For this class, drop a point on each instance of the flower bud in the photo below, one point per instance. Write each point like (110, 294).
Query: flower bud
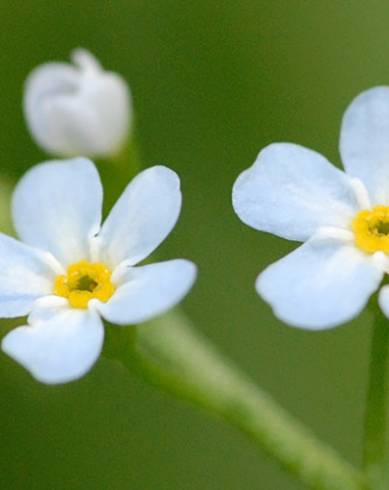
(78, 109)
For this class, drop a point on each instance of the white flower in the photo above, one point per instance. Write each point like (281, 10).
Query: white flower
(77, 110)
(343, 218)
(69, 271)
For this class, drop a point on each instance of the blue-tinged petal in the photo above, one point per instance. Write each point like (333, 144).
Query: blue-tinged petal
(324, 283)
(57, 207)
(364, 142)
(26, 274)
(291, 191)
(142, 218)
(148, 291)
(60, 345)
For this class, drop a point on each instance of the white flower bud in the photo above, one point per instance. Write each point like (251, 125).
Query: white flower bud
(78, 110)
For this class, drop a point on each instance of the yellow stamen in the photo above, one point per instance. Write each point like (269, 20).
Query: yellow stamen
(85, 281)
(371, 229)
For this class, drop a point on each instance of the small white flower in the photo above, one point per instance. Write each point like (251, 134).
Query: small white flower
(70, 270)
(77, 109)
(343, 218)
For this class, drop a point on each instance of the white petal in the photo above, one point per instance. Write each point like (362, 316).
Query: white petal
(320, 285)
(77, 110)
(142, 218)
(290, 191)
(57, 207)
(148, 291)
(364, 142)
(25, 275)
(61, 347)
(383, 300)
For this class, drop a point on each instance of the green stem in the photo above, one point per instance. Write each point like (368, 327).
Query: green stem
(171, 356)
(117, 171)
(128, 160)
(375, 417)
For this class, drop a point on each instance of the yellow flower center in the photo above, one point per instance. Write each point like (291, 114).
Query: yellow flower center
(85, 281)
(371, 229)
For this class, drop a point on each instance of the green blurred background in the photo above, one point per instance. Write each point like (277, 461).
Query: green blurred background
(213, 82)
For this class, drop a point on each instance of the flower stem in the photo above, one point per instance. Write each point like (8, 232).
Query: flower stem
(375, 416)
(173, 357)
(117, 171)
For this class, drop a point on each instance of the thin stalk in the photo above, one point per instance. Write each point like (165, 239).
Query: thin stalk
(117, 171)
(374, 449)
(174, 358)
